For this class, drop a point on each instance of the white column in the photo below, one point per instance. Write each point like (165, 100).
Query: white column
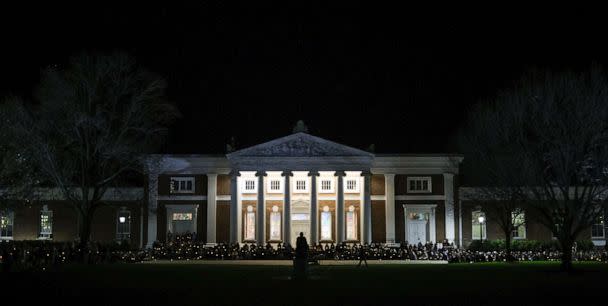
(314, 216)
(234, 207)
(448, 191)
(152, 208)
(460, 224)
(433, 226)
(287, 208)
(389, 191)
(261, 210)
(367, 207)
(340, 206)
(211, 207)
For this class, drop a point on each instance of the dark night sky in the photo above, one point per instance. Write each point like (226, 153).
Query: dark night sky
(391, 77)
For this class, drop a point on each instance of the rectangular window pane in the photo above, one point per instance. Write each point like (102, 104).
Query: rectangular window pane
(597, 229)
(6, 225)
(476, 229)
(518, 218)
(326, 225)
(250, 226)
(46, 223)
(275, 225)
(123, 228)
(351, 226)
(300, 185)
(182, 216)
(182, 184)
(300, 217)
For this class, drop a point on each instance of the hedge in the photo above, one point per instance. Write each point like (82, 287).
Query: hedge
(526, 245)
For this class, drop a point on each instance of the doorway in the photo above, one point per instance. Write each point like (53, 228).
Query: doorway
(300, 221)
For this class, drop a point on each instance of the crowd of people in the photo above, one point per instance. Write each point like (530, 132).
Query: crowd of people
(49, 255)
(186, 248)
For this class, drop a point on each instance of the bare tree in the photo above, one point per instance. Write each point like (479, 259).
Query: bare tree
(489, 166)
(17, 176)
(552, 131)
(89, 126)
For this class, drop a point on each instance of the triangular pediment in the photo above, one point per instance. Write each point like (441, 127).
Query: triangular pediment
(299, 145)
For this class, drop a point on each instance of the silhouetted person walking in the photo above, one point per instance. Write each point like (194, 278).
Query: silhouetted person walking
(301, 257)
(362, 255)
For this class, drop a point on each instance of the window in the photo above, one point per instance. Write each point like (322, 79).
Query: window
(300, 217)
(597, 229)
(419, 184)
(352, 185)
(301, 185)
(182, 216)
(123, 225)
(46, 224)
(326, 224)
(275, 186)
(351, 224)
(275, 224)
(249, 224)
(519, 222)
(478, 229)
(326, 186)
(249, 185)
(6, 225)
(182, 185)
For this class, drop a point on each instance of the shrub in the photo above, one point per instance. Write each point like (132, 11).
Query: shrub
(516, 245)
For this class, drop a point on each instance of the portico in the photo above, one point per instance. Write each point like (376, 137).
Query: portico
(301, 183)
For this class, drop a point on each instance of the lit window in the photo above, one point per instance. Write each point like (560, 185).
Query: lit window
(46, 224)
(275, 186)
(477, 227)
(326, 186)
(182, 185)
(182, 216)
(352, 185)
(123, 225)
(518, 218)
(326, 224)
(597, 229)
(419, 184)
(249, 224)
(301, 185)
(249, 186)
(300, 217)
(6, 225)
(351, 224)
(275, 224)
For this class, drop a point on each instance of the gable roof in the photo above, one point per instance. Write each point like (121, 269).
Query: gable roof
(299, 145)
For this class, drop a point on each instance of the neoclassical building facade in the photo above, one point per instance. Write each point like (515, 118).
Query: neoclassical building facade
(271, 192)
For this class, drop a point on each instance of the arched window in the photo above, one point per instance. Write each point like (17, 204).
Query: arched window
(275, 224)
(250, 224)
(351, 223)
(326, 224)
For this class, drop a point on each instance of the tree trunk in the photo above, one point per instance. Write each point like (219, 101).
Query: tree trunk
(566, 265)
(606, 228)
(508, 246)
(84, 234)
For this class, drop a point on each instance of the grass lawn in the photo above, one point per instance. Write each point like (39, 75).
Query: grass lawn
(179, 284)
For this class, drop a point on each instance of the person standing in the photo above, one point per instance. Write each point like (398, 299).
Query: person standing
(301, 257)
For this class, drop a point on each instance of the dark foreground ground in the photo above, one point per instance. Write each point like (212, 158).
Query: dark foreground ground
(185, 284)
